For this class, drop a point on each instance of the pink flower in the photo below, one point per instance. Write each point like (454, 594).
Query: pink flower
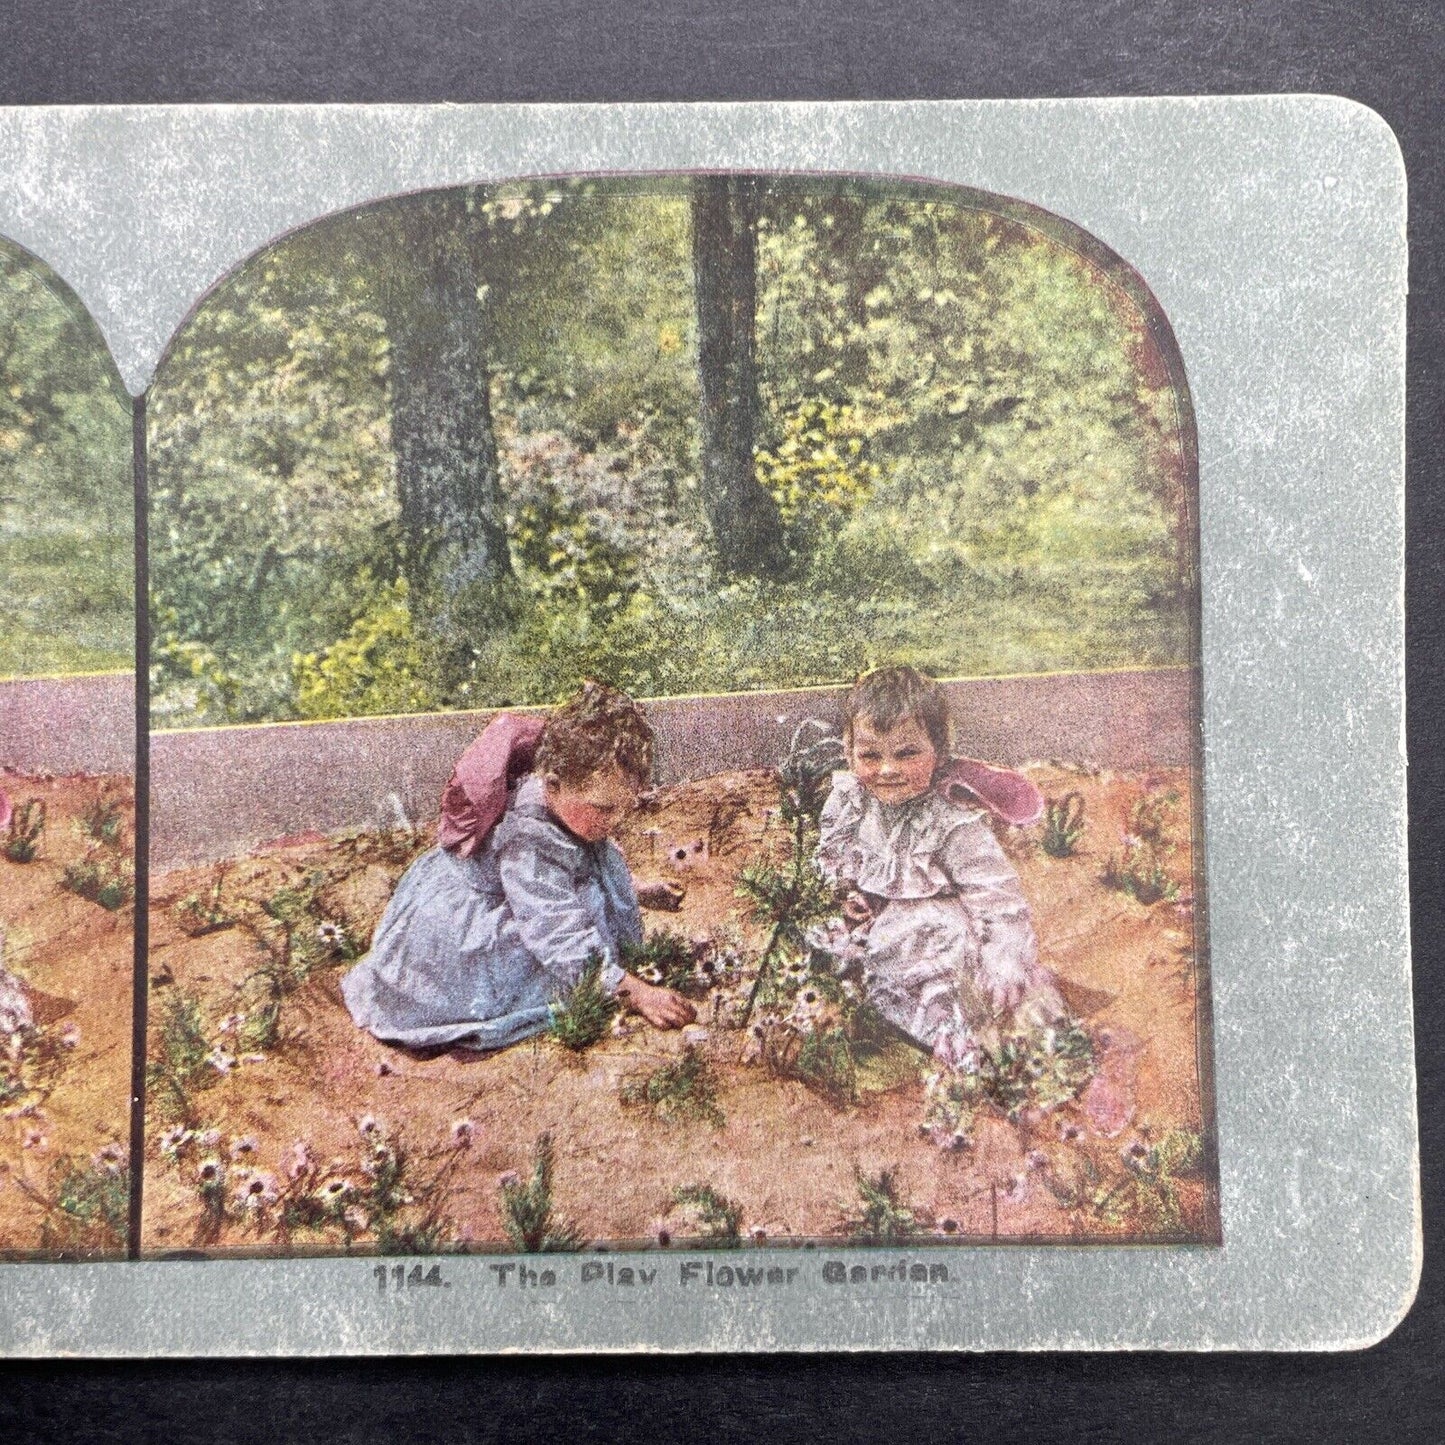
(298, 1161)
(510, 1179)
(257, 1190)
(69, 1036)
(34, 1139)
(244, 1145)
(462, 1130)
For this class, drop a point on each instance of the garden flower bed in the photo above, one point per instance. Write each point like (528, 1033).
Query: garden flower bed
(275, 1124)
(66, 916)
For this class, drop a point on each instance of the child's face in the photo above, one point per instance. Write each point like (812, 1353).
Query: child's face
(593, 807)
(895, 765)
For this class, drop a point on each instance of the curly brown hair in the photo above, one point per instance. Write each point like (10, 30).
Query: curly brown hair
(598, 727)
(888, 696)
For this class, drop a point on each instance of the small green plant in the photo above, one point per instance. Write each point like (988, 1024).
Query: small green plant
(1140, 871)
(883, 1218)
(683, 1090)
(22, 836)
(584, 1014)
(1063, 825)
(795, 896)
(103, 820)
(88, 1210)
(669, 960)
(1038, 1070)
(527, 1214)
(106, 880)
(199, 915)
(826, 1063)
(1148, 1191)
(181, 1061)
(719, 1218)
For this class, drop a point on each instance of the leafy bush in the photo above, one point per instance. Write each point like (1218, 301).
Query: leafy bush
(180, 1060)
(527, 1212)
(682, 1090)
(22, 835)
(88, 1211)
(1041, 1070)
(1063, 825)
(584, 1014)
(718, 1217)
(1140, 870)
(1148, 1191)
(102, 878)
(883, 1218)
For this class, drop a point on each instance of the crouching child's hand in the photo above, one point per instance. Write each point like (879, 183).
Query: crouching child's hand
(661, 1007)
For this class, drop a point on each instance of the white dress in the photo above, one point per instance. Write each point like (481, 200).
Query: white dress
(950, 928)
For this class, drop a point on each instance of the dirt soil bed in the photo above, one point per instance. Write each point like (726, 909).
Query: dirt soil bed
(300, 1114)
(65, 1078)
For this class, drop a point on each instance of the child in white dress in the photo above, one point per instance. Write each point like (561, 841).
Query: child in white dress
(949, 951)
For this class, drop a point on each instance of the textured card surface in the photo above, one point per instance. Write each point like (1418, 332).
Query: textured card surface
(759, 727)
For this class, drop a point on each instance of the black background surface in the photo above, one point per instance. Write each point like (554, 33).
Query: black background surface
(1390, 56)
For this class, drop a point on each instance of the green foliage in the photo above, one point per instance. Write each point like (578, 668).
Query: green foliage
(818, 471)
(584, 1014)
(527, 1213)
(826, 1063)
(1140, 870)
(199, 916)
(103, 820)
(22, 835)
(102, 877)
(667, 959)
(683, 1090)
(718, 1217)
(180, 1058)
(966, 423)
(377, 667)
(1039, 1070)
(883, 1218)
(66, 501)
(1063, 825)
(89, 1211)
(1148, 1192)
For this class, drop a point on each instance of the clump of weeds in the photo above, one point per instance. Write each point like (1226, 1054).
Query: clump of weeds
(1033, 1072)
(883, 1217)
(583, 1015)
(528, 1215)
(682, 1090)
(200, 914)
(101, 877)
(87, 1208)
(103, 820)
(294, 939)
(182, 1059)
(385, 1194)
(22, 833)
(1139, 871)
(719, 1219)
(33, 1059)
(1147, 1192)
(1063, 825)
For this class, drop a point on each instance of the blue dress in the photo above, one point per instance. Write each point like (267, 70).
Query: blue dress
(473, 950)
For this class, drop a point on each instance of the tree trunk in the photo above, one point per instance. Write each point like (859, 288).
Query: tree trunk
(453, 534)
(747, 530)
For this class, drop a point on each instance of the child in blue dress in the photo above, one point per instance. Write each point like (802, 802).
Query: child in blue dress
(488, 929)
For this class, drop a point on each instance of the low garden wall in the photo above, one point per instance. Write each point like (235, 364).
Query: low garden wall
(83, 724)
(220, 792)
